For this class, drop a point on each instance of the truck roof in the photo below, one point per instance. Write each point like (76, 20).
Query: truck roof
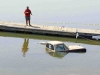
(55, 42)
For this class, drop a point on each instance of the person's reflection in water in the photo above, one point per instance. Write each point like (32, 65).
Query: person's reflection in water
(25, 46)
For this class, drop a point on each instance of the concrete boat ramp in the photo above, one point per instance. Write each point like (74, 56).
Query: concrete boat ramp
(47, 30)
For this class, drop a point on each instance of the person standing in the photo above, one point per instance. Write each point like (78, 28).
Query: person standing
(27, 13)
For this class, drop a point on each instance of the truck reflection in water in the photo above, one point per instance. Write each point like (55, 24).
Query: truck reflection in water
(56, 54)
(25, 46)
(59, 54)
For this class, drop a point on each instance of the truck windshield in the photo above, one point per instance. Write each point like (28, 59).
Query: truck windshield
(61, 47)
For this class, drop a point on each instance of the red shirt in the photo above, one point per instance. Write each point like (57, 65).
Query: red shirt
(27, 12)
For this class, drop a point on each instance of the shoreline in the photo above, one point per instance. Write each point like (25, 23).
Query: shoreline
(48, 30)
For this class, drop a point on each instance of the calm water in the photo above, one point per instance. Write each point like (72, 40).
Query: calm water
(53, 11)
(25, 56)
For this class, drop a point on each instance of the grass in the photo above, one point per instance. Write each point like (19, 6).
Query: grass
(44, 37)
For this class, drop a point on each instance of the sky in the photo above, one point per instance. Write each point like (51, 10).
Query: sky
(70, 11)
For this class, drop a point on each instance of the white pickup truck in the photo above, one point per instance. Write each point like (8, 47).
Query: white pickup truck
(58, 46)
